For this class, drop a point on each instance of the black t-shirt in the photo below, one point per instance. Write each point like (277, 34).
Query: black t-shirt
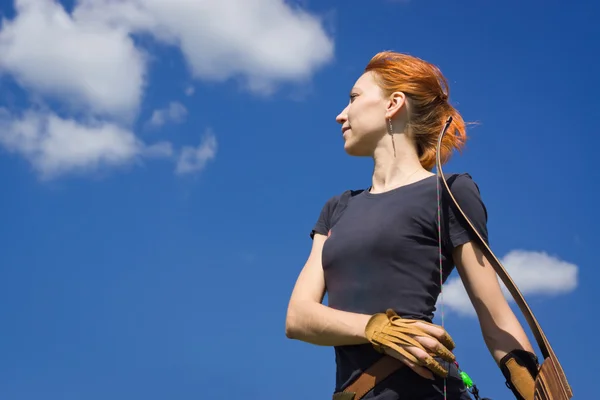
(383, 251)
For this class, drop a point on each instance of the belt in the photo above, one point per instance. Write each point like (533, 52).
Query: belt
(366, 381)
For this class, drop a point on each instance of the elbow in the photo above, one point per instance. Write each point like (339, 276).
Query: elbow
(292, 329)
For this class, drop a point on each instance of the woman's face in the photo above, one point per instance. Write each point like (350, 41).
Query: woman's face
(364, 119)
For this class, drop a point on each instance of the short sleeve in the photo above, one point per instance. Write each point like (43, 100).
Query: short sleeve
(323, 223)
(467, 194)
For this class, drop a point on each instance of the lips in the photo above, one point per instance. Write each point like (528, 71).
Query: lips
(345, 129)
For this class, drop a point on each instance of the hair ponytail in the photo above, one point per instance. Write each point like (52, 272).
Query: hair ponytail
(454, 139)
(427, 93)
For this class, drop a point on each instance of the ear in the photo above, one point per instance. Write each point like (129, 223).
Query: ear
(395, 103)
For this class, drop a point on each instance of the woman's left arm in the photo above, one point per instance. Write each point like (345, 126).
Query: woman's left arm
(501, 330)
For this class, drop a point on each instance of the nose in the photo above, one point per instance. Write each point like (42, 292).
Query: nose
(342, 117)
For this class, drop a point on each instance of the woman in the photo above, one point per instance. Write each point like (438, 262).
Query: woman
(384, 251)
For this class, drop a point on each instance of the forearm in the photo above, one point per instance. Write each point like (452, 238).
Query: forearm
(501, 329)
(503, 333)
(318, 324)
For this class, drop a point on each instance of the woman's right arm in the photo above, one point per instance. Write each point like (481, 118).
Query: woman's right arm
(311, 321)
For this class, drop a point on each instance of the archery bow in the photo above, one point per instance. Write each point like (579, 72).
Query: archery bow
(551, 381)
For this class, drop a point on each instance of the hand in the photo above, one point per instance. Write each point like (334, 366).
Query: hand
(420, 360)
(413, 342)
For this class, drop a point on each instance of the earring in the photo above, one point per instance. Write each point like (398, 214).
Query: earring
(391, 133)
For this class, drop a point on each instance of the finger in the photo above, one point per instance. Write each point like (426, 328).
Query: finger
(430, 347)
(437, 332)
(436, 367)
(436, 347)
(425, 360)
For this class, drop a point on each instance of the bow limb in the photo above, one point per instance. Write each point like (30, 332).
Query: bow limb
(535, 327)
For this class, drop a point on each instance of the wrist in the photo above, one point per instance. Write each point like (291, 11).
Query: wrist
(520, 368)
(361, 325)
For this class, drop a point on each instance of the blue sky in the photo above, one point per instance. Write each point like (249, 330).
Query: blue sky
(161, 174)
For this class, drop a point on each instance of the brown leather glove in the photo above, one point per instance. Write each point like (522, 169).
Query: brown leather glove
(392, 331)
(520, 368)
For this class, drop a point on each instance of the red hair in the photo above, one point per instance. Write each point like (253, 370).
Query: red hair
(428, 109)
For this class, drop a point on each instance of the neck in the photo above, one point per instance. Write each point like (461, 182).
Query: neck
(394, 170)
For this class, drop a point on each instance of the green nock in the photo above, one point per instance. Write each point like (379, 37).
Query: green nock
(466, 379)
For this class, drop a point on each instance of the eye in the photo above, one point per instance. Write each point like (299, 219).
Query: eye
(353, 96)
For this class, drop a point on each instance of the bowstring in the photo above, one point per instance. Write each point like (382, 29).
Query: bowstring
(472, 388)
(439, 218)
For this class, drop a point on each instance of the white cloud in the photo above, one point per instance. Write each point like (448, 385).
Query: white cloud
(55, 146)
(535, 273)
(194, 159)
(87, 66)
(455, 298)
(159, 150)
(263, 42)
(175, 112)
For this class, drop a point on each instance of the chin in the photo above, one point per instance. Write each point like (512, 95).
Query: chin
(360, 145)
(356, 150)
